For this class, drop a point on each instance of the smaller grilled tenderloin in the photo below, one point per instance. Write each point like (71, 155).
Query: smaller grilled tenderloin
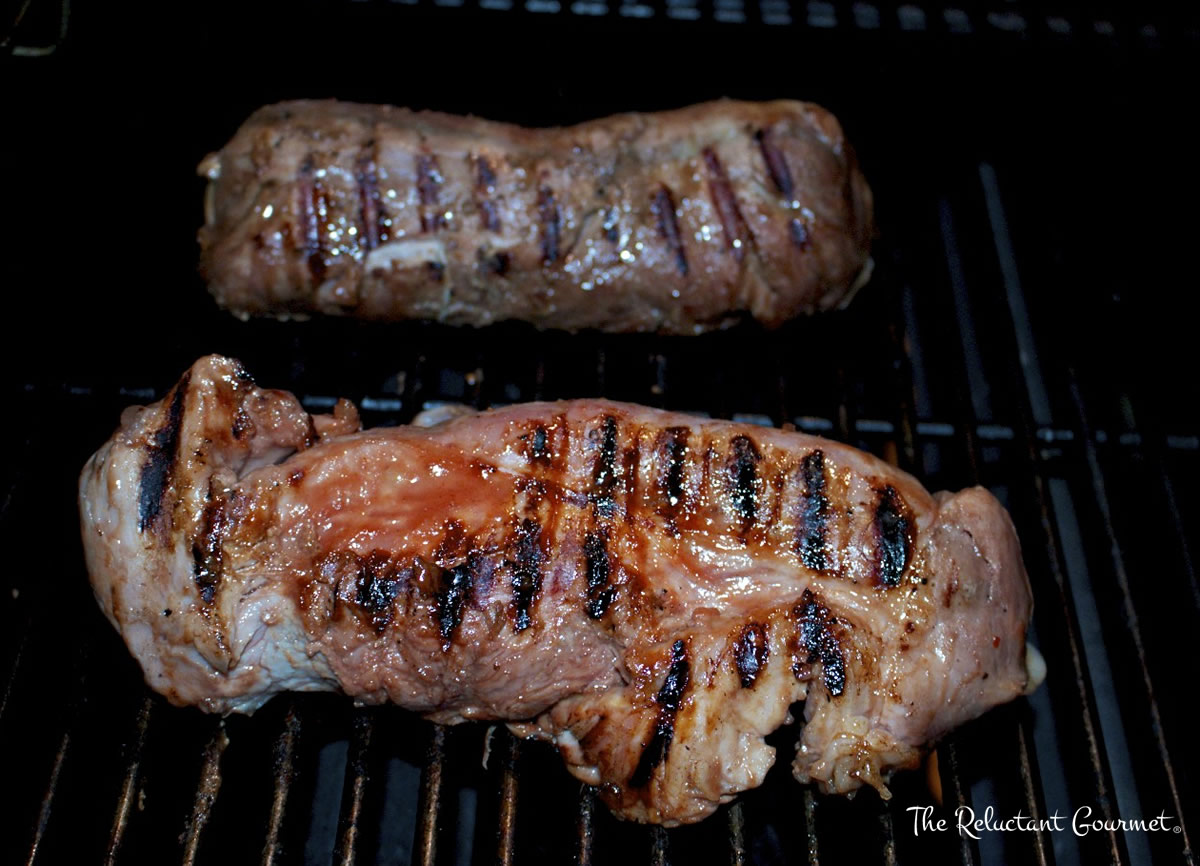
(650, 591)
(677, 222)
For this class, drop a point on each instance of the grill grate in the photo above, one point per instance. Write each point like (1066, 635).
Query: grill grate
(997, 345)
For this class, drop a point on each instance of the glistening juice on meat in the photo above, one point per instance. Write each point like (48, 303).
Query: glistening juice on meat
(647, 590)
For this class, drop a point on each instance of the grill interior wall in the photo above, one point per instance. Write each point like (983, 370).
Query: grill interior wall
(1010, 337)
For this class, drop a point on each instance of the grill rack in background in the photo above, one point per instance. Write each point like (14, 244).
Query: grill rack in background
(963, 363)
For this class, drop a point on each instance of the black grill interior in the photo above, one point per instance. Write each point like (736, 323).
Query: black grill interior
(1026, 329)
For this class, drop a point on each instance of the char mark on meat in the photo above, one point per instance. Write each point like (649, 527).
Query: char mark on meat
(538, 445)
(312, 211)
(551, 222)
(669, 697)
(208, 551)
(673, 449)
(429, 184)
(599, 590)
(485, 185)
(368, 196)
(815, 514)
(750, 653)
(819, 641)
(612, 229)
(893, 526)
(798, 230)
(743, 470)
(376, 586)
(454, 595)
(732, 222)
(668, 227)
(604, 473)
(162, 453)
(526, 572)
(776, 162)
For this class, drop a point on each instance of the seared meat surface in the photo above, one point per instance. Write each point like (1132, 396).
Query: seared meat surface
(649, 590)
(677, 222)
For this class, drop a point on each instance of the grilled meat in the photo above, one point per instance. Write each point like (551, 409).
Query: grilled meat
(649, 590)
(677, 222)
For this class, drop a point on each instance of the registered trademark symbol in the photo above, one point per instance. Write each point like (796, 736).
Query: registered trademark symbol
(1176, 829)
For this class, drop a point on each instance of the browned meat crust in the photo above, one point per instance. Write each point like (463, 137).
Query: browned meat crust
(648, 590)
(677, 222)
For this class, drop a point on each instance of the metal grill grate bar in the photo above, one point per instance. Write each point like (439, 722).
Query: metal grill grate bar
(354, 792)
(425, 849)
(285, 773)
(206, 793)
(506, 820)
(129, 785)
(585, 825)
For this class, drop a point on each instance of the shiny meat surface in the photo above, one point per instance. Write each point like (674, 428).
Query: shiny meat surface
(650, 591)
(677, 222)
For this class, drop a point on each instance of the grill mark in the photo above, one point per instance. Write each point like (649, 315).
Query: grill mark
(672, 448)
(725, 201)
(496, 263)
(599, 574)
(818, 639)
(429, 184)
(551, 225)
(604, 472)
(312, 203)
(811, 541)
(893, 526)
(368, 196)
(743, 469)
(612, 230)
(456, 587)
(776, 162)
(526, 572)
(208, 549)
(798, 230)
(669, 697)
(538, 445)
(376, 586)
(161, 456)
(485, 185)
(750, 653)
(663, 207)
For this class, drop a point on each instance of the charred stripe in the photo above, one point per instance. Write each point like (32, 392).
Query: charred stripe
(801, 237)
(551, 222)
(663, 207)
(816, 627)
(429, 184)
(208, 549)
(750, 653)
(743, 470)
(893, 533)
(776, 162)
(815, 517)
(669, 697)
(485, 185)
(676, 448)
(725, 201)
(604, 472)
(312, 210)
(526, 572)
(368, 196)
(377, 584)
(161, 455)
(454, 594)
(599, 572)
